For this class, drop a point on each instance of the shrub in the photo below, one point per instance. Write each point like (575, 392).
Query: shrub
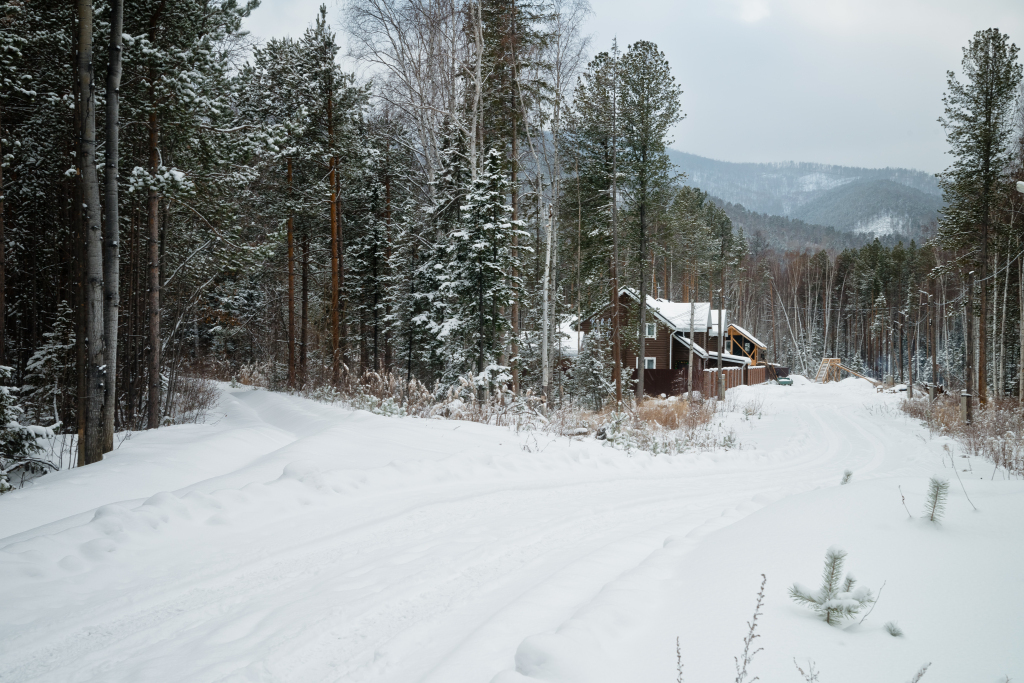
(836, 599)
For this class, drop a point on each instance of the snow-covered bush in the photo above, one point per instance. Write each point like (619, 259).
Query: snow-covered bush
(19, 445)
(50, 371)
(847, 476)
(837, 599)
(588, 381)
(996, 431)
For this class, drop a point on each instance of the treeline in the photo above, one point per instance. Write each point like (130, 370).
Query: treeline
(181, 202)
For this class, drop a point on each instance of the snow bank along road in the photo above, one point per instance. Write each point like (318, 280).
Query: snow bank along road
(293, 541)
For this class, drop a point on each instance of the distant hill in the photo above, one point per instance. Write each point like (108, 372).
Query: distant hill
(882, 207)
(764, 231)
(863, 200)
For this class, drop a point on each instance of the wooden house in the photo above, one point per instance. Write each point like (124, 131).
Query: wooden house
(671, 329)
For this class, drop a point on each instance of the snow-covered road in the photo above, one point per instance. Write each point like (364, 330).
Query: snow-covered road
(389, 549)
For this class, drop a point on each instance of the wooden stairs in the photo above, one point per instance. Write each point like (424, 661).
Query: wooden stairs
(830, 368)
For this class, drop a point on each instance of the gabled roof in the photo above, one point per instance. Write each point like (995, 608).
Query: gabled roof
(675, 315)
(743, 332)
(685, 341)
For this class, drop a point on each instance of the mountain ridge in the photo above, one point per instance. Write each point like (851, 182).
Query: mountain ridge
(886, 201)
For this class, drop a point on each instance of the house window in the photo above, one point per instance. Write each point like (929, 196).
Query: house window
(650, 363)
(651, 330)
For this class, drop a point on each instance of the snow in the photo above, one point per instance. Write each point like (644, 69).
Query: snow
(293, 541)
(728, 357)
(748, 335)
(685, 341)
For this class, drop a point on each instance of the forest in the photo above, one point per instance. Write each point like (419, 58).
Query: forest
(181, 203)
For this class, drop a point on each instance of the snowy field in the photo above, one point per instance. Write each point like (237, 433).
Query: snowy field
(293, 541)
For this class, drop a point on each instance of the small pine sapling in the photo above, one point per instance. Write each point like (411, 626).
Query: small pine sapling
(935, 505)
(837, 599)
(893, 629)
(847, 475)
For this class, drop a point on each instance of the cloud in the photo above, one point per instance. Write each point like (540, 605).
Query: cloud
(751, 11)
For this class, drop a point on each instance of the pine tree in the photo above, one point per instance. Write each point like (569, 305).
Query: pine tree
(935, 504)
(17, 442)
(838, 598)
(979, 129)
(589, 381)
(650, 106)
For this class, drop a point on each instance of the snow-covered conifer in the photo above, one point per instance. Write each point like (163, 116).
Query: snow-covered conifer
(838, 598)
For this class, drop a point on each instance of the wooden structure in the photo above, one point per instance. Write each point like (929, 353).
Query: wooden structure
(739, 342)
(830, 368)
(673, 329)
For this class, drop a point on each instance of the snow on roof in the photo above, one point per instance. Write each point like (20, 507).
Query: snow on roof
(749, 336)
(679, 313)
(713, 325)
(730, 358)
(685, 341)
(676, 314)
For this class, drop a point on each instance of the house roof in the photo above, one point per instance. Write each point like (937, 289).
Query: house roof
(674, 314)
(685, 341)
(760, 344)
(713, 324)
(730, 358)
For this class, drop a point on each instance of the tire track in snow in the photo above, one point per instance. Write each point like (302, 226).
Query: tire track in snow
(435, 583)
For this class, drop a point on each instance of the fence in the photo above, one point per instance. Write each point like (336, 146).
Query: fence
(668, 382)
(757, 375)
(674, 382)
(733, 378)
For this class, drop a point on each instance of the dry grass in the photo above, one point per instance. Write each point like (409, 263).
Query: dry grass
(997, 432)
(677, 414)
(658, 426)
(192, 398)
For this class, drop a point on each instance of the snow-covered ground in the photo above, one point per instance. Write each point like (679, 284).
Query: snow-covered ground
(293, 541)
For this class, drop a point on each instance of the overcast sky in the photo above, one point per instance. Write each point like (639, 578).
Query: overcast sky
(851, 82)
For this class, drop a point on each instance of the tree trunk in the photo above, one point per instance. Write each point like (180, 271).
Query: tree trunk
(721, 337)
(291, 286)
(545, 289)
(111, 226)
(642, 260)
(983, 315)
(153, 277)
(304, 319)
(514, 361)
(94, 241)
(335, 332)
(3, 250)
(78, 269)
(969, 339)
(1001, 380)
(689, 366)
